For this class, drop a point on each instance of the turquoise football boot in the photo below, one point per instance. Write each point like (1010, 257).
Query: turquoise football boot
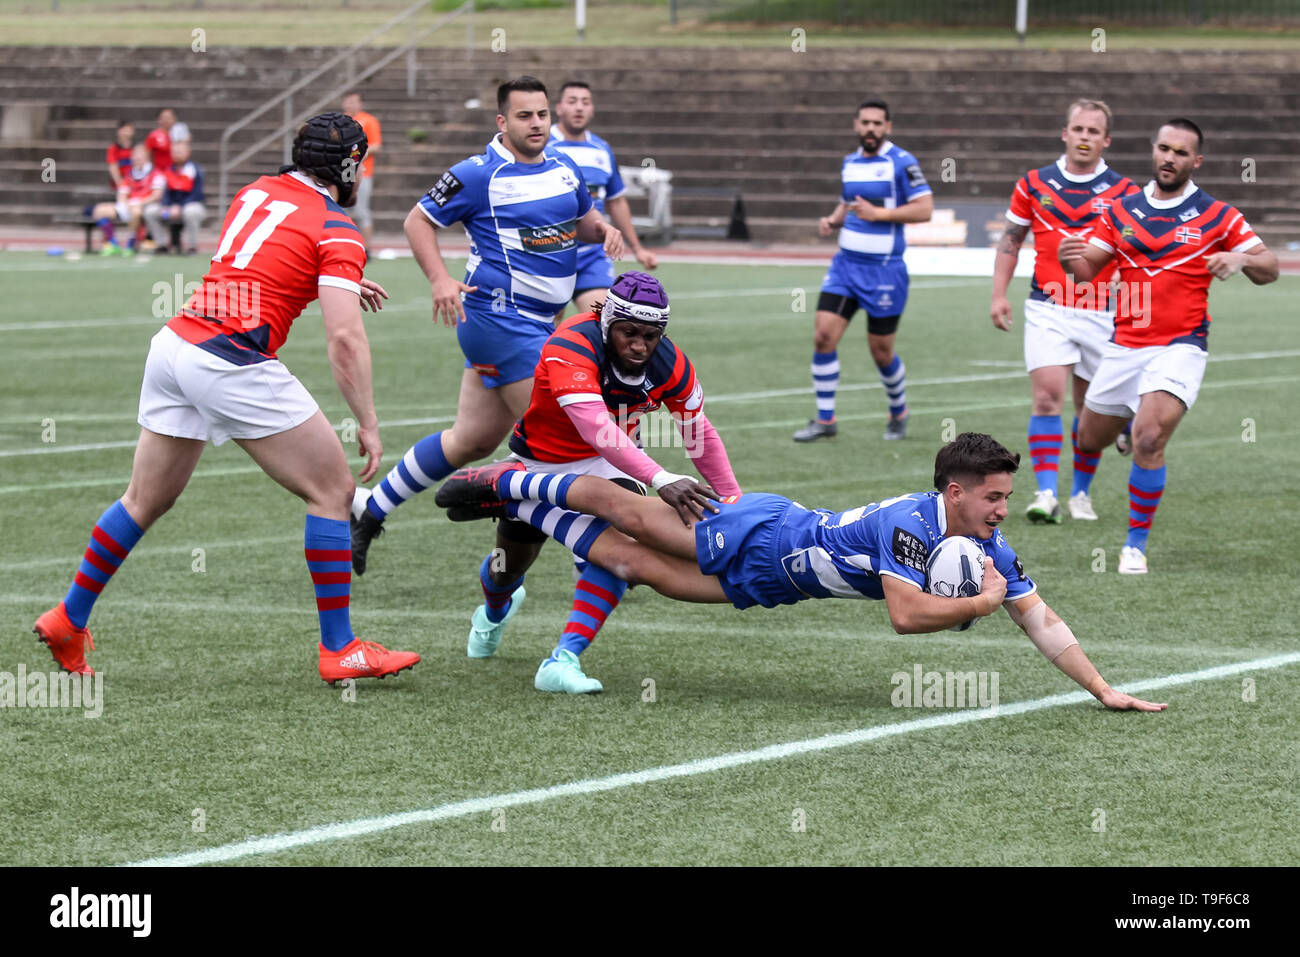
(562, 673)
(485, 635)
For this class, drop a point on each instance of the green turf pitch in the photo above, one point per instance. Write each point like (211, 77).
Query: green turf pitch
(213, 713)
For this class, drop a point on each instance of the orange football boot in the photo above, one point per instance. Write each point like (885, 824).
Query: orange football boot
(66, 641)
(363, 659)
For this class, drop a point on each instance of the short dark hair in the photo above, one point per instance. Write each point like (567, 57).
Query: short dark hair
(874, 105)
(523, 84)
(1182, 123)
(122, 123)
(972, 455)
(582, 84)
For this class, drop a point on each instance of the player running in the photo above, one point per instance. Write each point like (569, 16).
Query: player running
(572, 136)
(1067, 323)
(598, 377)
(767, 550)
(212, 374)
(525, 208)
(882, 188)
(1168, 240)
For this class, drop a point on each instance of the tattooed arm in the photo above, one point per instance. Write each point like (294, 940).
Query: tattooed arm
(1004, 265)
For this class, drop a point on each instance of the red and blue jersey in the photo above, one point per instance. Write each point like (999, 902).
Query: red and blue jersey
(119, 156)
(1056, 203)
(1160, 247)
(282, 239)
(574, 367)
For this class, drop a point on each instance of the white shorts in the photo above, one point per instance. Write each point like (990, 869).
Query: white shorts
(1063, 336)
(1126, 374)
(360, 211)
(192, 394)
(595, 466)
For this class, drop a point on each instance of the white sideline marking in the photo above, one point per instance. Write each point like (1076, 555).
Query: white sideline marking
(348, 829)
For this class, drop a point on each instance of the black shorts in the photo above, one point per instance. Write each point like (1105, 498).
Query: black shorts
(846, 307)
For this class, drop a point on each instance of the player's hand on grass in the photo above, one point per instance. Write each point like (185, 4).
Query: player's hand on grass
(372, 296)
(993, 589)
(446, 300)
(1118, 701)
(1225, 265)
(690, 498)
(368, 444)
(1001, 313)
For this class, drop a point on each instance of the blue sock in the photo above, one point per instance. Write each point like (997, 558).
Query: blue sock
(1145, 486)
(826, 379)
(894, 378)
(496, 598)
(114, 535)
(573, 530)
(421, 466)
(328, 547)
(596, 594)
(523, 486)
(1045, 449)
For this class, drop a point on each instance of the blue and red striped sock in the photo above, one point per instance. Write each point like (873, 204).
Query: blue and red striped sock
(522, 486)
(1085, 465)
(597, 593)
(1045, 449)
(106, 225)
(328, 546)
(421, 466)
(113, 537)
(496, 598)
(1145, 486)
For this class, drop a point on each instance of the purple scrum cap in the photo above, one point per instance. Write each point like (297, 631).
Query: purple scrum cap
(634, 297)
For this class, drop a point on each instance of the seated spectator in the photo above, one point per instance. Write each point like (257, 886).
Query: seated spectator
(118, 155)
(182, 209)
(142, 187)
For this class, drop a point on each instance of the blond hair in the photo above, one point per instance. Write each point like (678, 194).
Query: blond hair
(1089, 105)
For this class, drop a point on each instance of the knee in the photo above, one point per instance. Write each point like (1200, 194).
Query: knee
(1148, 442)
(823, 341)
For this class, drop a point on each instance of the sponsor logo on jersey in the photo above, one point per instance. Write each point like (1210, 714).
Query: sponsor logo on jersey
(549, 239)
(915, 177)
(446, 187)
(1188, 214)
(909, 550)
(719, 540)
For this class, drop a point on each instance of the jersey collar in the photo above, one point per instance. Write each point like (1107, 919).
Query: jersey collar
(496, 146)
(885, 147)
(307, 181)
(1080, 177)
(1150, 189)
(558, 134)
(941, 513)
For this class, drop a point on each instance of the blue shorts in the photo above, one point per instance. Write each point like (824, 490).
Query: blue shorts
(595, 269)
(502, 347)
(879, 287)
(740, 546)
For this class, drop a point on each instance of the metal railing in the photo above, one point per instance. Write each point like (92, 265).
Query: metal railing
(292, 117)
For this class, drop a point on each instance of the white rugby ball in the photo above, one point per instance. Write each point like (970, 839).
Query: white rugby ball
(955, 569)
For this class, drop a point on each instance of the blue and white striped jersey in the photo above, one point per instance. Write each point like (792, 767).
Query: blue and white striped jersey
(596, 160)
(522, 223)
(889, 179)
(844, 554)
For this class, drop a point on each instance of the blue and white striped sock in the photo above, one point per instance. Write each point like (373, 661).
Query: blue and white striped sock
(520, 486)
(573, 530)
(421, 466)
(894, 378)
(826, 379)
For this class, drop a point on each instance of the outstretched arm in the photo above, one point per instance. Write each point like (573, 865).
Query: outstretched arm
(1053, 638)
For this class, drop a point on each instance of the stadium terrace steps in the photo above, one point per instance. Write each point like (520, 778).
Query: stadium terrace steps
(995, 113)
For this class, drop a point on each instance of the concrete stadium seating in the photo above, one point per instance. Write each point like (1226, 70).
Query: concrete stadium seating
(772, 123)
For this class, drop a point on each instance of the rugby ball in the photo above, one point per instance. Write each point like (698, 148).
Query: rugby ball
(955, 569)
